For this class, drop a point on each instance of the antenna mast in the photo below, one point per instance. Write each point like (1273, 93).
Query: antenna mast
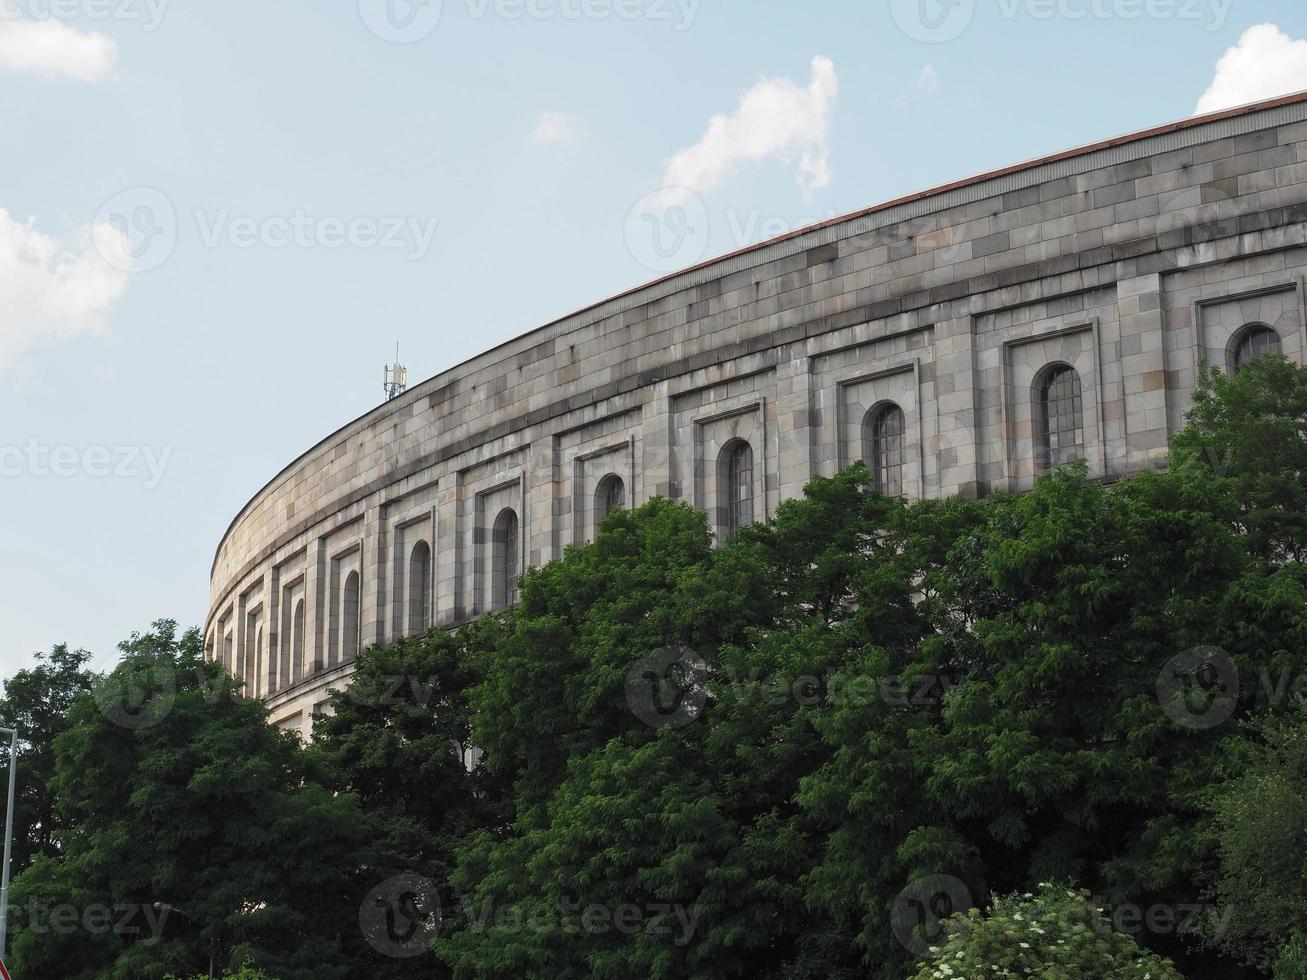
(395, 377)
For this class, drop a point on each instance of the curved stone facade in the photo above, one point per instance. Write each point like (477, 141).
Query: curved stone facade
(961, 339)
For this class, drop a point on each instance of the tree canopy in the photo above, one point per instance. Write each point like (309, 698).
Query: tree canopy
(794, 754)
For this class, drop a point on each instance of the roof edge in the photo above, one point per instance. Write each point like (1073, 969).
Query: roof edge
(980, 178)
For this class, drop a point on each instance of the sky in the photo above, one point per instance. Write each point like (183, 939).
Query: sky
(217, 219)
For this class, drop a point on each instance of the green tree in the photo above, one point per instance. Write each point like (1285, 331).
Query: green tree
(1262, 831)
(890, 691)
(1250, 431)
(190, 831)
(678, 814)
(1051, 756)
(36, 702)
(398, 740)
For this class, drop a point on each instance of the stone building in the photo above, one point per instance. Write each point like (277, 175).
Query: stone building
(960, 340)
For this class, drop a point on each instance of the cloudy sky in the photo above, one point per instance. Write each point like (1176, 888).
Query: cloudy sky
(217, 219)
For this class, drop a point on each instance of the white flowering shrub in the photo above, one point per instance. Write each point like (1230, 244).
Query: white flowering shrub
(1292, 962)
(1057, 934)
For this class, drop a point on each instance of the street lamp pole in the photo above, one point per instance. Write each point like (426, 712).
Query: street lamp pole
(9, 839)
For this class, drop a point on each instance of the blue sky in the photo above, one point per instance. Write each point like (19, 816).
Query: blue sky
(218, 218)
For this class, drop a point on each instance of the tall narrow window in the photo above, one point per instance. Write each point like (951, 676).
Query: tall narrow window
(419, 589)
(349, 619)
(1252, 342)
(250, 653)
(1059, 417)
(736, 476)
(297, 642)
(505, 560)
(281, 666)
(610, 496)
(255, 686)
(883, 437)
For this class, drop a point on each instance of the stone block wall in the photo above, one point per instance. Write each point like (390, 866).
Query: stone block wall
(1131, 262)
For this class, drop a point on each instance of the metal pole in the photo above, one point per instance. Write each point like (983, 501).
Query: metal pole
(9, 839)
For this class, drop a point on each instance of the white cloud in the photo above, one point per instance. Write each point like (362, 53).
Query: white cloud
(558, 127)
(52, 290)
(775, 119)
(926, 83)
(52, 49)
(1265, 63)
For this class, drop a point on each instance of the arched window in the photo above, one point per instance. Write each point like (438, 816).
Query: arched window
(419, 589)
(297, 642)
(349, 619)
(884, 433)
(1059, 425)
(610, 496)
(505, 560)
(1254, 341)
(735, 473)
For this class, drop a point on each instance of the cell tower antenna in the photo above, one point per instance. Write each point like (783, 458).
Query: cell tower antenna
(395, 377)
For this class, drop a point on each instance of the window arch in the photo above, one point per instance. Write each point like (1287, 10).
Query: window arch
(1253, 341)
(735, 473)
(419, 588)
(504, 566)
(884, 436)
(610, 496)
(1059, 417)
(349, 639)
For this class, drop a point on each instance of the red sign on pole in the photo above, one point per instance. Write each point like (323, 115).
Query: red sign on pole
(4, 973)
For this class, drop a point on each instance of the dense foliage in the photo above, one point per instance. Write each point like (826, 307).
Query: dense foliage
(1262, 836)
(787, 756)
(36, 703)
(191, 831)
